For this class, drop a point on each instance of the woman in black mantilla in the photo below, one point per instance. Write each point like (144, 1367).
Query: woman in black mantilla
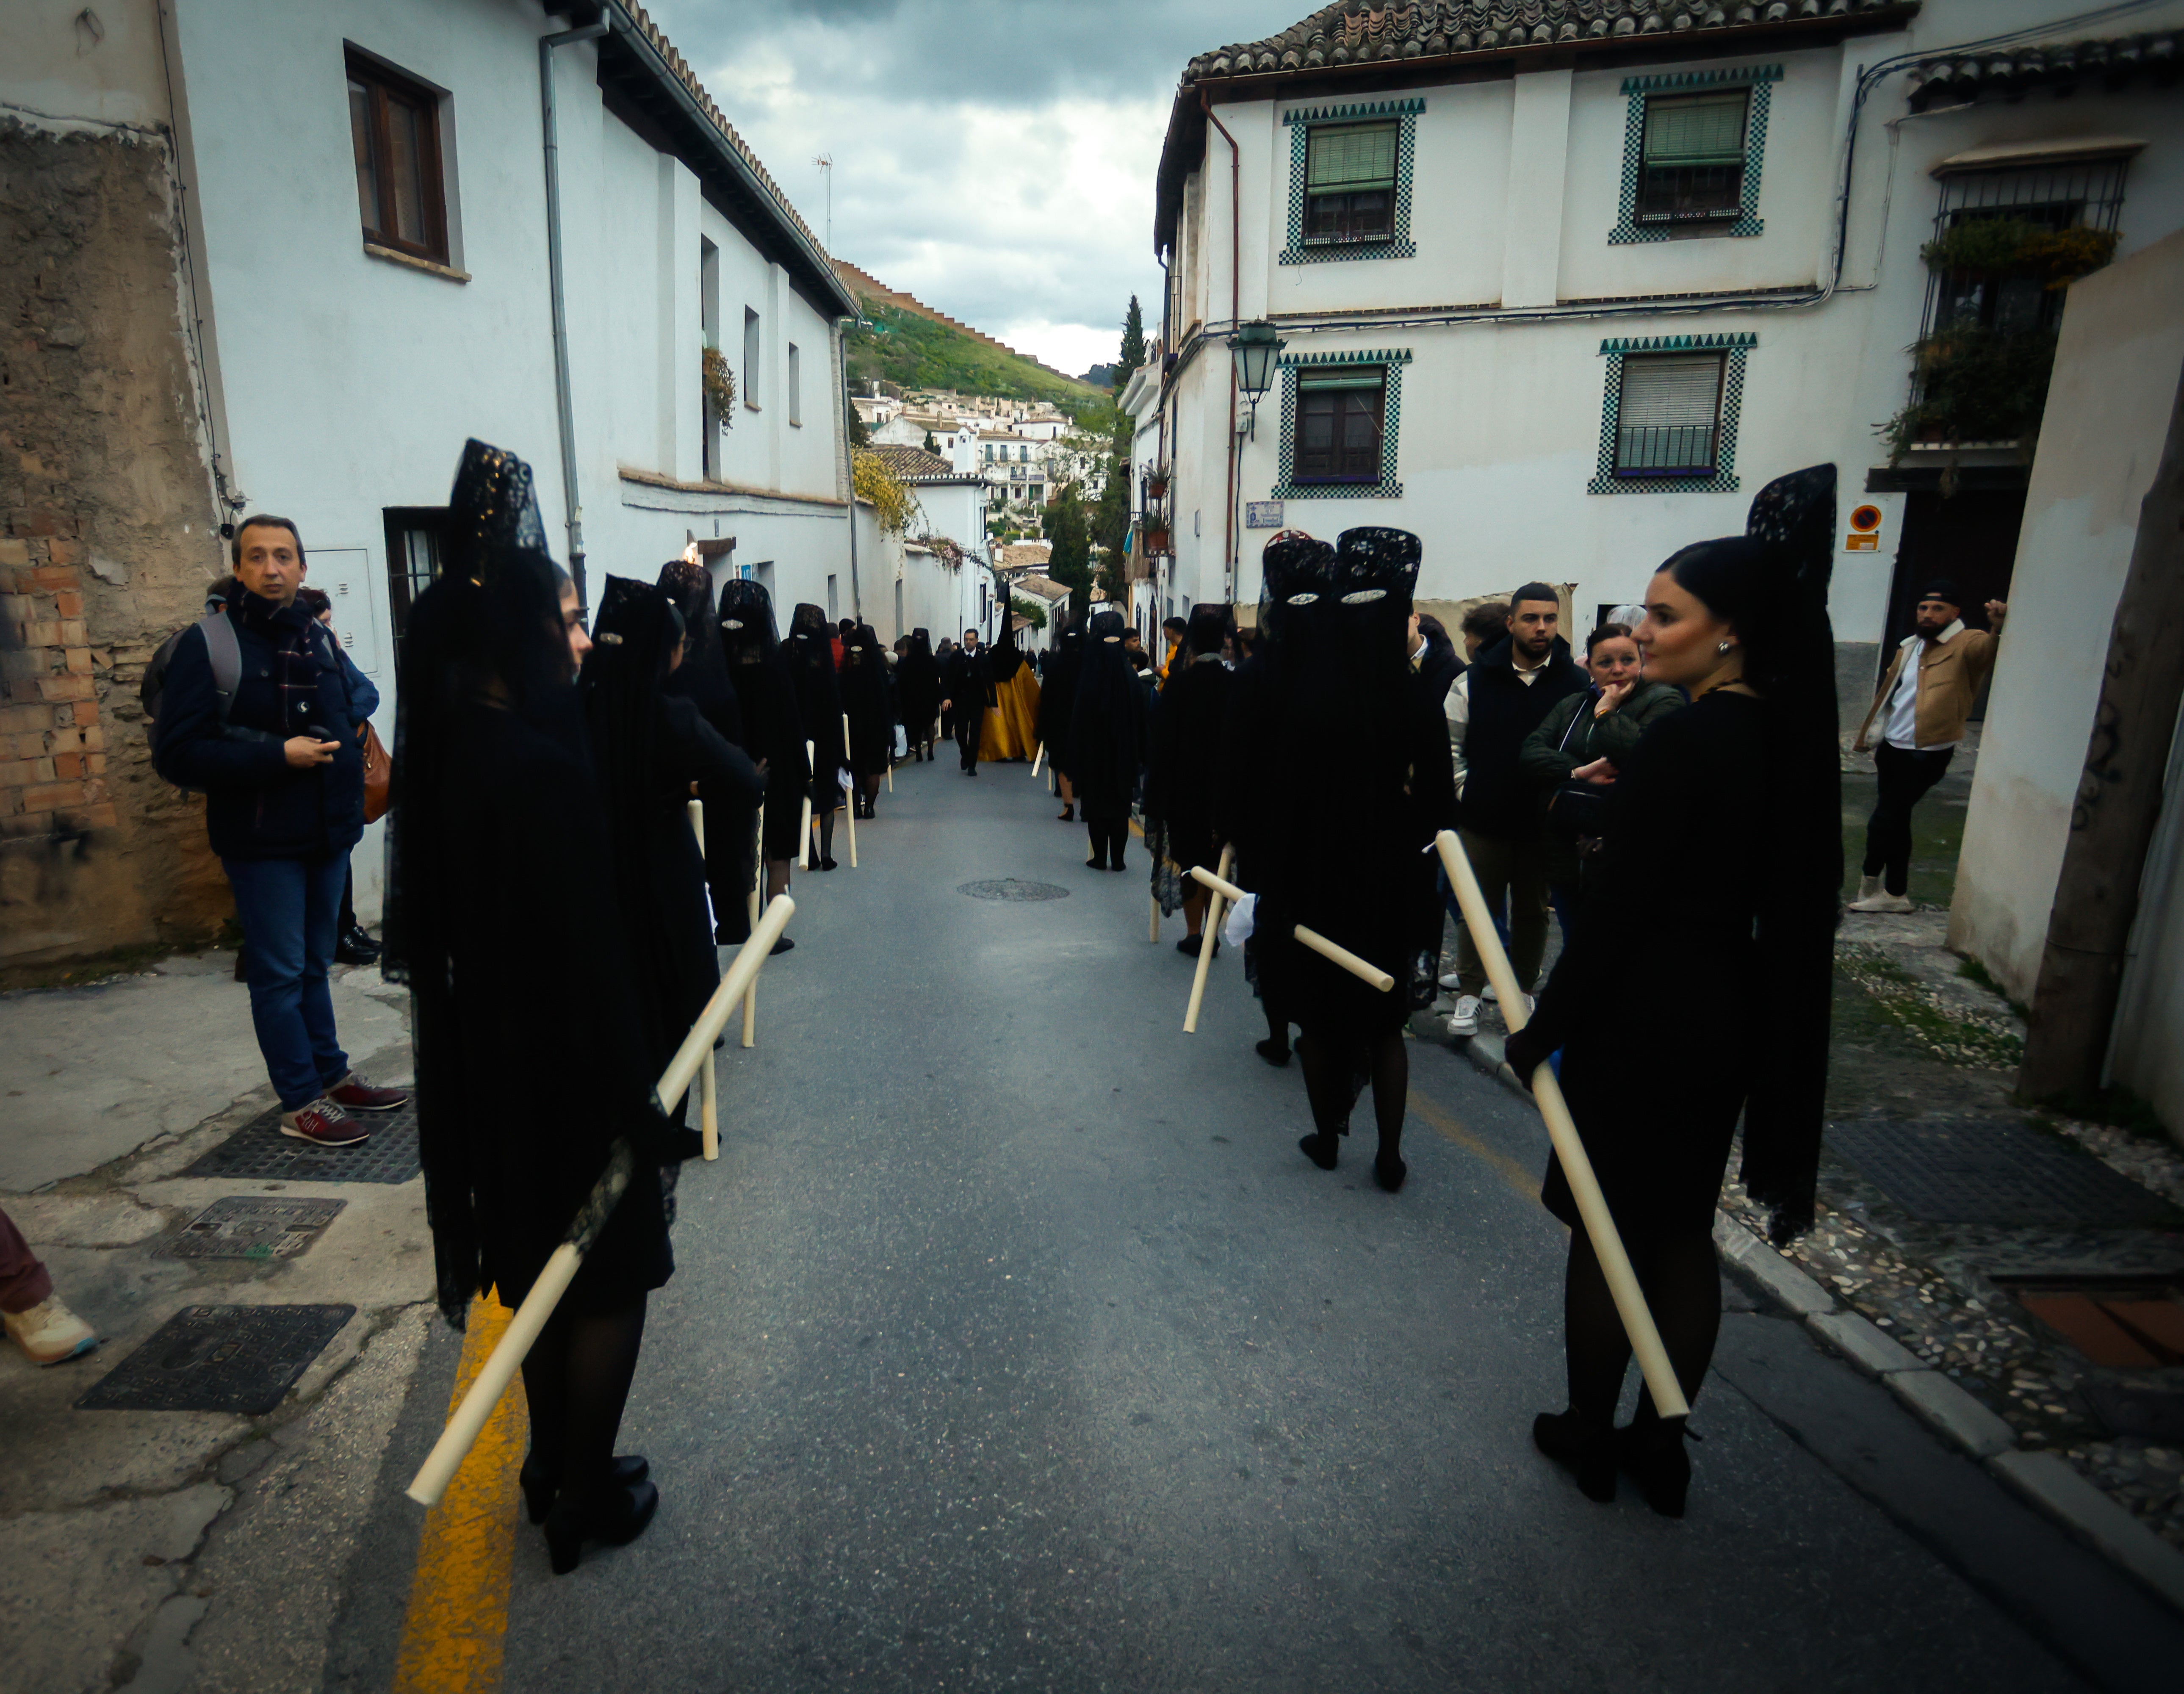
(648, 746)
(773, 736)
(918, 677)
(1340, 852)
(1057, 706)
(1736, 795)
(702, 678)
(1107, 741)
(811, 647)
(1185, 771)
(871, 723)
(496, 820)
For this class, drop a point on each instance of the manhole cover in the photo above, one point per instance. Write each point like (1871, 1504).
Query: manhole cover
(219, 1358)
(1956, 1170)
(259, 1149)
(1009, 888)
(247, 1227)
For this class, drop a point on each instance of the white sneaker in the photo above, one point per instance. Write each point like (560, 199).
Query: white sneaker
(1451, 981)
(1464, 1020)
(49, 1333)
(1883, 902)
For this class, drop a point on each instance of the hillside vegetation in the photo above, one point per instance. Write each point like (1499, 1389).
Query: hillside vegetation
(917, 352)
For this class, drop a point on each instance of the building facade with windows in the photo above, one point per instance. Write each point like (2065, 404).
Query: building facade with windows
(1560, 286)
(393, 225)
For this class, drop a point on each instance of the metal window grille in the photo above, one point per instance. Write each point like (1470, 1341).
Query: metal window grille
(1350, 182)
(1694, 156)
(2059, 196)
(1668, 418)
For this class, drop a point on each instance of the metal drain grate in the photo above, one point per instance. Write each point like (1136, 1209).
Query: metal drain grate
(219, 1358)
(1009, 888)
(259, 1149)
(248, 1227)
(1958, 1170)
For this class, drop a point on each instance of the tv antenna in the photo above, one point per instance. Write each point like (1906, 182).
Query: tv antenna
(826, 163)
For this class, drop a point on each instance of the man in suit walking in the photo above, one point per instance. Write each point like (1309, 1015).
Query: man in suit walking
(969, 692)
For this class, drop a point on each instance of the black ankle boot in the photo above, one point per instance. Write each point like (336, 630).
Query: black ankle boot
(1652, 1451)
(1589, 1452)
(612, 1513)
(1321, 1148)
(540, 1485)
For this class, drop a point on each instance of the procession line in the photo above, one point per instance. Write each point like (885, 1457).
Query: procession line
(456, 1627)
(1518, 1175)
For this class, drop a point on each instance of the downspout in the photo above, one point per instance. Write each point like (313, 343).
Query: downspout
(571, 499)
(1235, 317)
(842, 364)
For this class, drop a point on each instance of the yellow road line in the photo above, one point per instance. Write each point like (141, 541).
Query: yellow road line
(1519, 1176)
(457, 1623)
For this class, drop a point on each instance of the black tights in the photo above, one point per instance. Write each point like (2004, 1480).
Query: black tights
(825, 820)
(1109, 841)
(1331, 1069)
(577, 1379)
(1682, 1284)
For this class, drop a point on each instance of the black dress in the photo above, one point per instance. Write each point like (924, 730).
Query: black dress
(773, 730)
(524, 804)
(918, 679)
(1107, 731)
(1184, 773)
(1057, 699)
(687, 750)
(1682, 841)
(864, 688)
(819, 707)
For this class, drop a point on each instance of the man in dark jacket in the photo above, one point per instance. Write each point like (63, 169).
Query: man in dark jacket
(966, 683)
(282, 773)
(1498, 701)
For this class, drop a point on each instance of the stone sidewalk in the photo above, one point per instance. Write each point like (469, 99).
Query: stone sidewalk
(131, 1532)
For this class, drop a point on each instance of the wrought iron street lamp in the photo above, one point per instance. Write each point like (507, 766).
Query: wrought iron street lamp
(1254, 346)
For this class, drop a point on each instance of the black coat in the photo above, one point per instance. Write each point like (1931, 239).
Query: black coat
(1497, 799)
(1106, 734)
(256, 805)
(773, 731)
(1183, 775)
(968, 682)
(1057, 700)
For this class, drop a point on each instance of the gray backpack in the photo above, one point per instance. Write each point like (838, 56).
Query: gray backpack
(225, 652)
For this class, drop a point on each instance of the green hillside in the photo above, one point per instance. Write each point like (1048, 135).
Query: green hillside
(918, 352)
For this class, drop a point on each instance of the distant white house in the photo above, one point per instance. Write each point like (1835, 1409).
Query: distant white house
(935, 577)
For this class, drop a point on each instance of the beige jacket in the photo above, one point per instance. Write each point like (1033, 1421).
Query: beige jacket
(1951, 669)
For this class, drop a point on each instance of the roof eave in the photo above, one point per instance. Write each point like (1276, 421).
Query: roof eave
(798, 253)
(1185, 142)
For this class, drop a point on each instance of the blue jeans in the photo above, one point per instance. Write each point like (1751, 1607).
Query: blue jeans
(291, 914)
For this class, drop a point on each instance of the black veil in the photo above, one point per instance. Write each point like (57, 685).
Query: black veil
(1004, 657)
(746, 620)
(811, 647)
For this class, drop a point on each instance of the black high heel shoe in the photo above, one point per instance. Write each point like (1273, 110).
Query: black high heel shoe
(539, 1486)
(613, 1514)
(1654, 1456)
(1275, 1053)
(1321, 1148)
(1588, 1452)
(1389, 1171)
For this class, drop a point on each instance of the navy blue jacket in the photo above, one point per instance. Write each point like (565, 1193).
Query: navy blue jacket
(257, 805)
(1497, 800)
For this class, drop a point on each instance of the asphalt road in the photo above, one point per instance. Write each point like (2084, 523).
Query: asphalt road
(1015, 1346)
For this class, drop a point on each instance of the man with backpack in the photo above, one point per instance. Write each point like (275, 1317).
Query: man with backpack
(255, 708)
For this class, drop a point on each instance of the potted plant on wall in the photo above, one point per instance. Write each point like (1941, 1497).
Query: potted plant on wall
(720, 382)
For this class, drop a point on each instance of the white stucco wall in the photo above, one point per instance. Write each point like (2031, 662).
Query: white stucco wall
(2117, 368)
(351, 383)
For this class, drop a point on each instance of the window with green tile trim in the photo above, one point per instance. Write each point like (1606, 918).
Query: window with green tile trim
(1350, 182)
(1692, 144)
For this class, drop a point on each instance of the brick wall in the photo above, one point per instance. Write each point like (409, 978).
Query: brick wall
(52, 746)
(108, 536)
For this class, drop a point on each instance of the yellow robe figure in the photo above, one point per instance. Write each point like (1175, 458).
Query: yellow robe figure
(1011, 730)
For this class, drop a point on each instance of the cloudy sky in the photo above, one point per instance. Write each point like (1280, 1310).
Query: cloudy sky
(994, 158)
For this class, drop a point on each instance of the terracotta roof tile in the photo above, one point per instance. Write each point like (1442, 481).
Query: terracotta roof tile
(1950, 78)
(1358, 32)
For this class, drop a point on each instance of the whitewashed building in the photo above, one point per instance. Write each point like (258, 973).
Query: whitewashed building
(1560, 286)
(401, 223)
(935, 577)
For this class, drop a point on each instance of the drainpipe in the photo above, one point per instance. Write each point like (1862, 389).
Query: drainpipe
(572, 501)
(842, 364)
(1235, 317)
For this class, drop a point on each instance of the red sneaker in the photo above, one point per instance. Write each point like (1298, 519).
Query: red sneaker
(323, 1123)
(354, 1093)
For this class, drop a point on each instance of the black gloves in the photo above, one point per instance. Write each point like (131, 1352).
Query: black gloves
(1526, 1052)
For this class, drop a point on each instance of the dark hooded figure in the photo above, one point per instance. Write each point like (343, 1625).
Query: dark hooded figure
(1057, 706)
(1183, 774)
(532, 1064)
(918, 679)
(1353, 775)
(773, 736)
(1738, 794)
(1107, 740)
(872, 725)
(810, 648)
(702, 678)
(649, 746)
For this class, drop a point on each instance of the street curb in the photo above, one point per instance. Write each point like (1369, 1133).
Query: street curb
(2044, 1479)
